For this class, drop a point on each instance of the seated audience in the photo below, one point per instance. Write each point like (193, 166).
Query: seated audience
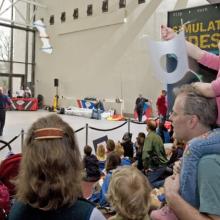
(112, 162)
(128, 145)
(171, 133)
(110, 146)
(100, 190)
(154, 156)
(193, 193)
(120, 151)
(139, 144)
(49, 181)
(101, 156)
(91, 165)
(163, 133)
(177, 152)
(129, 193)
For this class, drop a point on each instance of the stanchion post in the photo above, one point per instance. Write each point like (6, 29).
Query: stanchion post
(129, 125)
(22, 139)
(87, 133)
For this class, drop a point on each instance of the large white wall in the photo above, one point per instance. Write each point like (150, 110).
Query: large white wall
(107, 61)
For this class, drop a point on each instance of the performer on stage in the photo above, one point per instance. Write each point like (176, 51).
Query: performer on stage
(139, 106)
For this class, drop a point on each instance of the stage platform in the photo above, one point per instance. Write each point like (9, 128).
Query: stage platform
(17, 120)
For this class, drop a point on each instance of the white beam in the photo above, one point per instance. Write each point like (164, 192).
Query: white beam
(34, 3)
(2, 4)
(9, 7)
(15, 22)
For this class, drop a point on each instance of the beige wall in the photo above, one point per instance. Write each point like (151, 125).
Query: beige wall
(107, 61)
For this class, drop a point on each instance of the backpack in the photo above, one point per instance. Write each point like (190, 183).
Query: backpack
(4, 201)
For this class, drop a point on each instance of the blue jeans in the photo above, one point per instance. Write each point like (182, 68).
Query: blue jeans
(197, 148)
(156, 177)
(140, 114)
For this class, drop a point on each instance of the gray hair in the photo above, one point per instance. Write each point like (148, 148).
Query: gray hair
(204, 108)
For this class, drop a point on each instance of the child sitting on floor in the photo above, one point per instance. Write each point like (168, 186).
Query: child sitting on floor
(125, 161)
(91, 165)
(101, 156)
(100, 189)
(110, 146)
(129, 193)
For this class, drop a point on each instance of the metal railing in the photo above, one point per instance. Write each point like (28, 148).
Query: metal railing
(87, 127)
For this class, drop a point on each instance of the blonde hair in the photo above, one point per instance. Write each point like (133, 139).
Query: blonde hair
(119, 149)
(129, 193)
(100, 152)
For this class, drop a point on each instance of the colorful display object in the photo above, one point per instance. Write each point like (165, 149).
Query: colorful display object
(85, 104)
(24, 104)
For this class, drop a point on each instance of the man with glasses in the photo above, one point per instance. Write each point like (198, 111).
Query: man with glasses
(194, 192)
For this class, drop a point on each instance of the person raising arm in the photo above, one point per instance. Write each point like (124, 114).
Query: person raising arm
(205, 58)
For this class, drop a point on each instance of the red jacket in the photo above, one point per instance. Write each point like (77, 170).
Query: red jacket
(162, 105)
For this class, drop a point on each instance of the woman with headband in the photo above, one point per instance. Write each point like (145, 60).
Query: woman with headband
(49, 182)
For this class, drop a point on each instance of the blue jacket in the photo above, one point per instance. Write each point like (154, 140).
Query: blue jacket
(4, 100)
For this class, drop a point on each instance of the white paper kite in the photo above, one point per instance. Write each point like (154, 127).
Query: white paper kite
(47, 48)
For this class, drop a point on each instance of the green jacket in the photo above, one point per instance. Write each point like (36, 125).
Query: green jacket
(154, 154)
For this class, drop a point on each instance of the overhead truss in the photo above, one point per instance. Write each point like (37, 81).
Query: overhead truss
(24, 20)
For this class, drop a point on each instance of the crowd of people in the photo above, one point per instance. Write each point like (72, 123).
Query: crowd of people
(48, 185)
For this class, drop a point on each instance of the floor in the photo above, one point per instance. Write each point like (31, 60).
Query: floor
(18, 120)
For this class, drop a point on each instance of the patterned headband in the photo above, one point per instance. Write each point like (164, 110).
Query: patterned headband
(48, 133)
